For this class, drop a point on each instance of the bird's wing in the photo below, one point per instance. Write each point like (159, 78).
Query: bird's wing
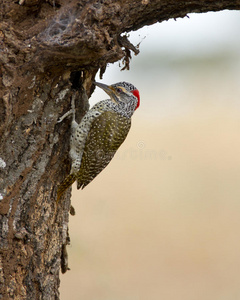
(107, 133)
(69, 180)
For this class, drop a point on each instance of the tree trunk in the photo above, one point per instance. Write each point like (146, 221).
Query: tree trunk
(49, 51)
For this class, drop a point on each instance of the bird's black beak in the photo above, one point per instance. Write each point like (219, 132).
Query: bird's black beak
(108, 89)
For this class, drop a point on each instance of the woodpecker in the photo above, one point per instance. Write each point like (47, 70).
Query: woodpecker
(100, 133)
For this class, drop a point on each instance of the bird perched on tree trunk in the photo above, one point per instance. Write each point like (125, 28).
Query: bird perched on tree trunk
(100, 133)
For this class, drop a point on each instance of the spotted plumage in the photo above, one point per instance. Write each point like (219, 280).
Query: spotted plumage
(101, 132)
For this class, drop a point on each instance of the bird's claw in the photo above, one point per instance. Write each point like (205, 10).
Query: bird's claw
(70, 112)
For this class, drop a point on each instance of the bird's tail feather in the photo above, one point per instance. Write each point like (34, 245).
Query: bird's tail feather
(65, 184)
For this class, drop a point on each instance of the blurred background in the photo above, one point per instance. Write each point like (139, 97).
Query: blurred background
(162, 221)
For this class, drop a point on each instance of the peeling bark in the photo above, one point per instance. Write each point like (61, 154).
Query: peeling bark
(48, 51)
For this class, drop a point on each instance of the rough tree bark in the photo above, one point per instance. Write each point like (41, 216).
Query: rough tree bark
(49, 49)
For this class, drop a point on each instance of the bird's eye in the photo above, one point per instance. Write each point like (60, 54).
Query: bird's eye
(119, 90)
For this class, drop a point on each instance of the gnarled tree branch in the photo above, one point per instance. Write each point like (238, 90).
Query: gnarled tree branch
(48, 51)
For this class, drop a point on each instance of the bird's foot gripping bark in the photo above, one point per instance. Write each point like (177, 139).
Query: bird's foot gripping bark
(72, 111)
(71, 177)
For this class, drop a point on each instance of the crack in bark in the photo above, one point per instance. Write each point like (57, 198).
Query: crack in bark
(44, 45)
